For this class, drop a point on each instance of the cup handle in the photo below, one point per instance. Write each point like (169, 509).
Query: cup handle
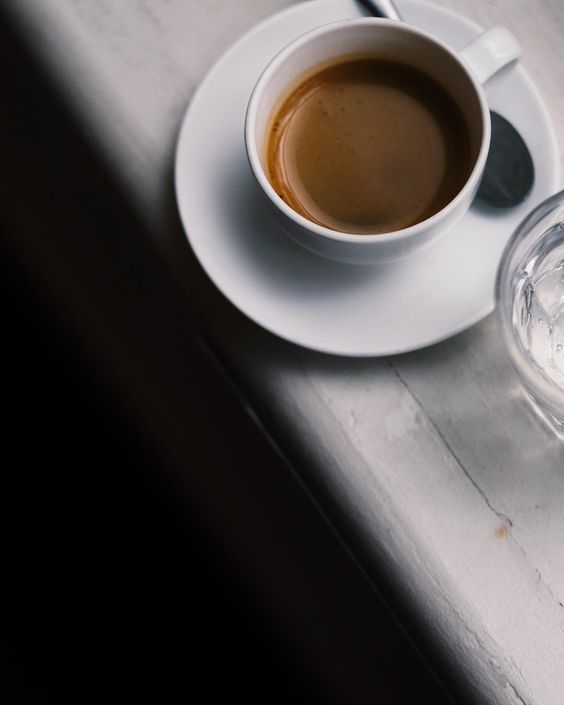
(490, 52)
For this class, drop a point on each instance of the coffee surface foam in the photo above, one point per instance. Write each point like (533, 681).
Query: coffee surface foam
(368, 145)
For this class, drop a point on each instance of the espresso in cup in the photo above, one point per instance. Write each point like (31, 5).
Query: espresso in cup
(365, 144)
(376, 171)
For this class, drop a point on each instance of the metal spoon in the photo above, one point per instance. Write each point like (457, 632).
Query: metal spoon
(509, 173)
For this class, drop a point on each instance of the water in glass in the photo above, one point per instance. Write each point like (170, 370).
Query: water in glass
(538, 309)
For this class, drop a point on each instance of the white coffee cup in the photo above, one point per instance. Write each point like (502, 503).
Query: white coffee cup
(461, 74)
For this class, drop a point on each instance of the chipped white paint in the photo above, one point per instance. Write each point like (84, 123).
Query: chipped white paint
(451, 484)
(442, 459)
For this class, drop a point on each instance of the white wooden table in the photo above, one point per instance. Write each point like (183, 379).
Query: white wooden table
(431, 464)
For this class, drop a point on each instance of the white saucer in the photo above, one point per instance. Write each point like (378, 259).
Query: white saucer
(323, 305)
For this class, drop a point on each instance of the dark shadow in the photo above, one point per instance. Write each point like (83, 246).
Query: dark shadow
(154, 535)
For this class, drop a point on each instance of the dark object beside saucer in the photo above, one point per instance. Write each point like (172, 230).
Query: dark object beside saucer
(510, 173)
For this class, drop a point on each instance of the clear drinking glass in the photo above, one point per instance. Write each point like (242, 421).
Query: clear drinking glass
(530, 307)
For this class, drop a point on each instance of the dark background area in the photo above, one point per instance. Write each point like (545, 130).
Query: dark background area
(111, 590)
(157, 548)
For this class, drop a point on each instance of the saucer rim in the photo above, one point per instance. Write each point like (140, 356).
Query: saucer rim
(334, 349)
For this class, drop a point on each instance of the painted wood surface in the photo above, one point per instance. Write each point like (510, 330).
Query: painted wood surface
(431, 464)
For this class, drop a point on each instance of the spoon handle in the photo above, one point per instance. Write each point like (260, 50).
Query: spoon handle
(382, 8)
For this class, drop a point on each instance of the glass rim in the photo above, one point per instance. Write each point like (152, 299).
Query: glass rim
(532, 378)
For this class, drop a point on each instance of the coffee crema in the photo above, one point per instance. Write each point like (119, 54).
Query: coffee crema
(367, 145)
